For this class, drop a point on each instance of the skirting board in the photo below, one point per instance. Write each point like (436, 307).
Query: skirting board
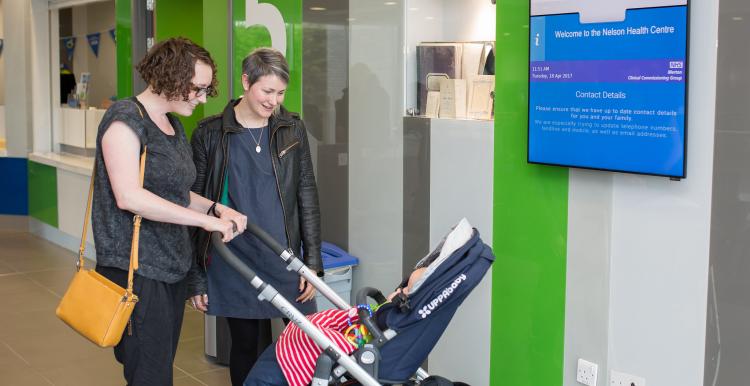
(56, 236)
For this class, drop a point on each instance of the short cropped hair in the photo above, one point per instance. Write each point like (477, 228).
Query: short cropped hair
(169, 67)
(265, 61)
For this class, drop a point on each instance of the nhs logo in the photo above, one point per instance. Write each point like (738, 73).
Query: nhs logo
(675, 64)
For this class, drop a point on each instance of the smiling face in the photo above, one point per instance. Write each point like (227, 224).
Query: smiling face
(263, 97)
(202, 79)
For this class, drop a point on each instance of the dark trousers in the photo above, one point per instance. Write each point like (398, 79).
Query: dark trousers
(147, 352)
(250, 337)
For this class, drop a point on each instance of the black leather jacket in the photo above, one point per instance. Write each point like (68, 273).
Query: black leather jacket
(295, 182)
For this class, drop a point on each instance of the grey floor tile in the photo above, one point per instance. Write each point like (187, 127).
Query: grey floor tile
(218, 377)
(190, 357)
(101, 370)
(188, 381)
(55, 280)
(36, 348)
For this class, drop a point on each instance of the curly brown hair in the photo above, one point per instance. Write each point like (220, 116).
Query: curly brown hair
(169, 67)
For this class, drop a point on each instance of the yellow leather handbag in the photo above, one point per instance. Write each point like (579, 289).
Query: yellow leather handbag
(93, 305)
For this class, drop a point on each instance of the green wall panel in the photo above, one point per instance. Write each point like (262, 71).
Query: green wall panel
(123, 36)
(530, 227)
(182, 18)
(216, 41)
(43, 193)
(248, 38)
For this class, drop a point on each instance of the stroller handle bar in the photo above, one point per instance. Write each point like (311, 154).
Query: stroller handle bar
(364, 315)
(266, 238)
(270, 294)
(295, 264)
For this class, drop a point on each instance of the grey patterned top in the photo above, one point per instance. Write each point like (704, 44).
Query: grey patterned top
(164, 249)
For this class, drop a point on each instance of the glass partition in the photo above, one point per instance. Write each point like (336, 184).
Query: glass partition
(325, 104)
(86, 83)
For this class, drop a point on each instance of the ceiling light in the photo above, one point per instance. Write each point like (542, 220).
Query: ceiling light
(390, 3)
(317, 8)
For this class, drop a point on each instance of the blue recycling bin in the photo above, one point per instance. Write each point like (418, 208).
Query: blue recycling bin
(338, 265)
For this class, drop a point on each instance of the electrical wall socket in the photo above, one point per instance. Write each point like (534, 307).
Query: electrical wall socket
(586, 373)
(622, 379)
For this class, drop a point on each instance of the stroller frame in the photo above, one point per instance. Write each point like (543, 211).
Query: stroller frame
(268, 293)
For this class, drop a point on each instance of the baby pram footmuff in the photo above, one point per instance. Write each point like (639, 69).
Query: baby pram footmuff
(454, 269)
(414, 325)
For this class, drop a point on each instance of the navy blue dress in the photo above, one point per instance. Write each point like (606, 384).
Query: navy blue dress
(252, 190)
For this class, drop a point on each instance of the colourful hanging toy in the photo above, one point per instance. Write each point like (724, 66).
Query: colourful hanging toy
(357, 333)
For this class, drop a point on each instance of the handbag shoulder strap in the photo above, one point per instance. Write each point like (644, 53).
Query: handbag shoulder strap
(136, 231)
(136, 220)
(82, 247)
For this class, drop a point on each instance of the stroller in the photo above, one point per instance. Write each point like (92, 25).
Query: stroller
(393, 356)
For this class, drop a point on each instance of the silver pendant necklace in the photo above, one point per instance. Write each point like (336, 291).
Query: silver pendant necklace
(257, 141)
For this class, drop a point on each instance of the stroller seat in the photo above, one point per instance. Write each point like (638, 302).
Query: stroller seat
(453, 269)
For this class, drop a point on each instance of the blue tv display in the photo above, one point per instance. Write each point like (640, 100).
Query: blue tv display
(610, 96)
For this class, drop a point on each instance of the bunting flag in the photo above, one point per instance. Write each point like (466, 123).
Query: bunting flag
(112, 35)
(70, 45)
(94, 42)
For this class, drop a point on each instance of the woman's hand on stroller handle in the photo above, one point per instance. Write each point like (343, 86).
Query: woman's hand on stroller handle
(224, 227)
(307, 290)
(238, 219)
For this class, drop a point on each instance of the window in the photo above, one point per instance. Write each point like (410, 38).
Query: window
(85, 83)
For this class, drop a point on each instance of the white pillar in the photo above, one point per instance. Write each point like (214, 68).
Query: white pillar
(41, 75)
(16, 18)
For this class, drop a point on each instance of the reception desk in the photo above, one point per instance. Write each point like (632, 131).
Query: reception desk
(78, 128)
(62, 201)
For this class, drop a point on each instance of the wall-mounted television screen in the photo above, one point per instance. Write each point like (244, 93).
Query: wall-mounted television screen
(609, 95)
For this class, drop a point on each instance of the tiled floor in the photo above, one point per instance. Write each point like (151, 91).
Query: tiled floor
(36, 348)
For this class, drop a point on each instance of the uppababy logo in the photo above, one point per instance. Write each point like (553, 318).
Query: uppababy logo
(426, 310)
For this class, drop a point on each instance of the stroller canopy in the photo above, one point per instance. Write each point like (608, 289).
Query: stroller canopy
(454, 268)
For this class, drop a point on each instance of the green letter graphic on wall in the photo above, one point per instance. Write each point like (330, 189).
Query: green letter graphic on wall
(277, 24)
(270, 17)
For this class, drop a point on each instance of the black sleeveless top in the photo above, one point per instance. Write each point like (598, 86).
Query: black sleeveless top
(164, 249)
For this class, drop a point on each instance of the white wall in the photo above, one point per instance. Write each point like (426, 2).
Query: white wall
(468, 20)
(2, 70)
(727, 338)
(460, 21)
(423, 23)
(381, 36)
(587, 290)
(16, 18)
(2, 85)
(72, 188)
(376, 142)
(39, 51)
(439, 21)
(646, 241)
(461, 154)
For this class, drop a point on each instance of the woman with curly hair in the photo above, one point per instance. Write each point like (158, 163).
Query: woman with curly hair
(180, 75)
